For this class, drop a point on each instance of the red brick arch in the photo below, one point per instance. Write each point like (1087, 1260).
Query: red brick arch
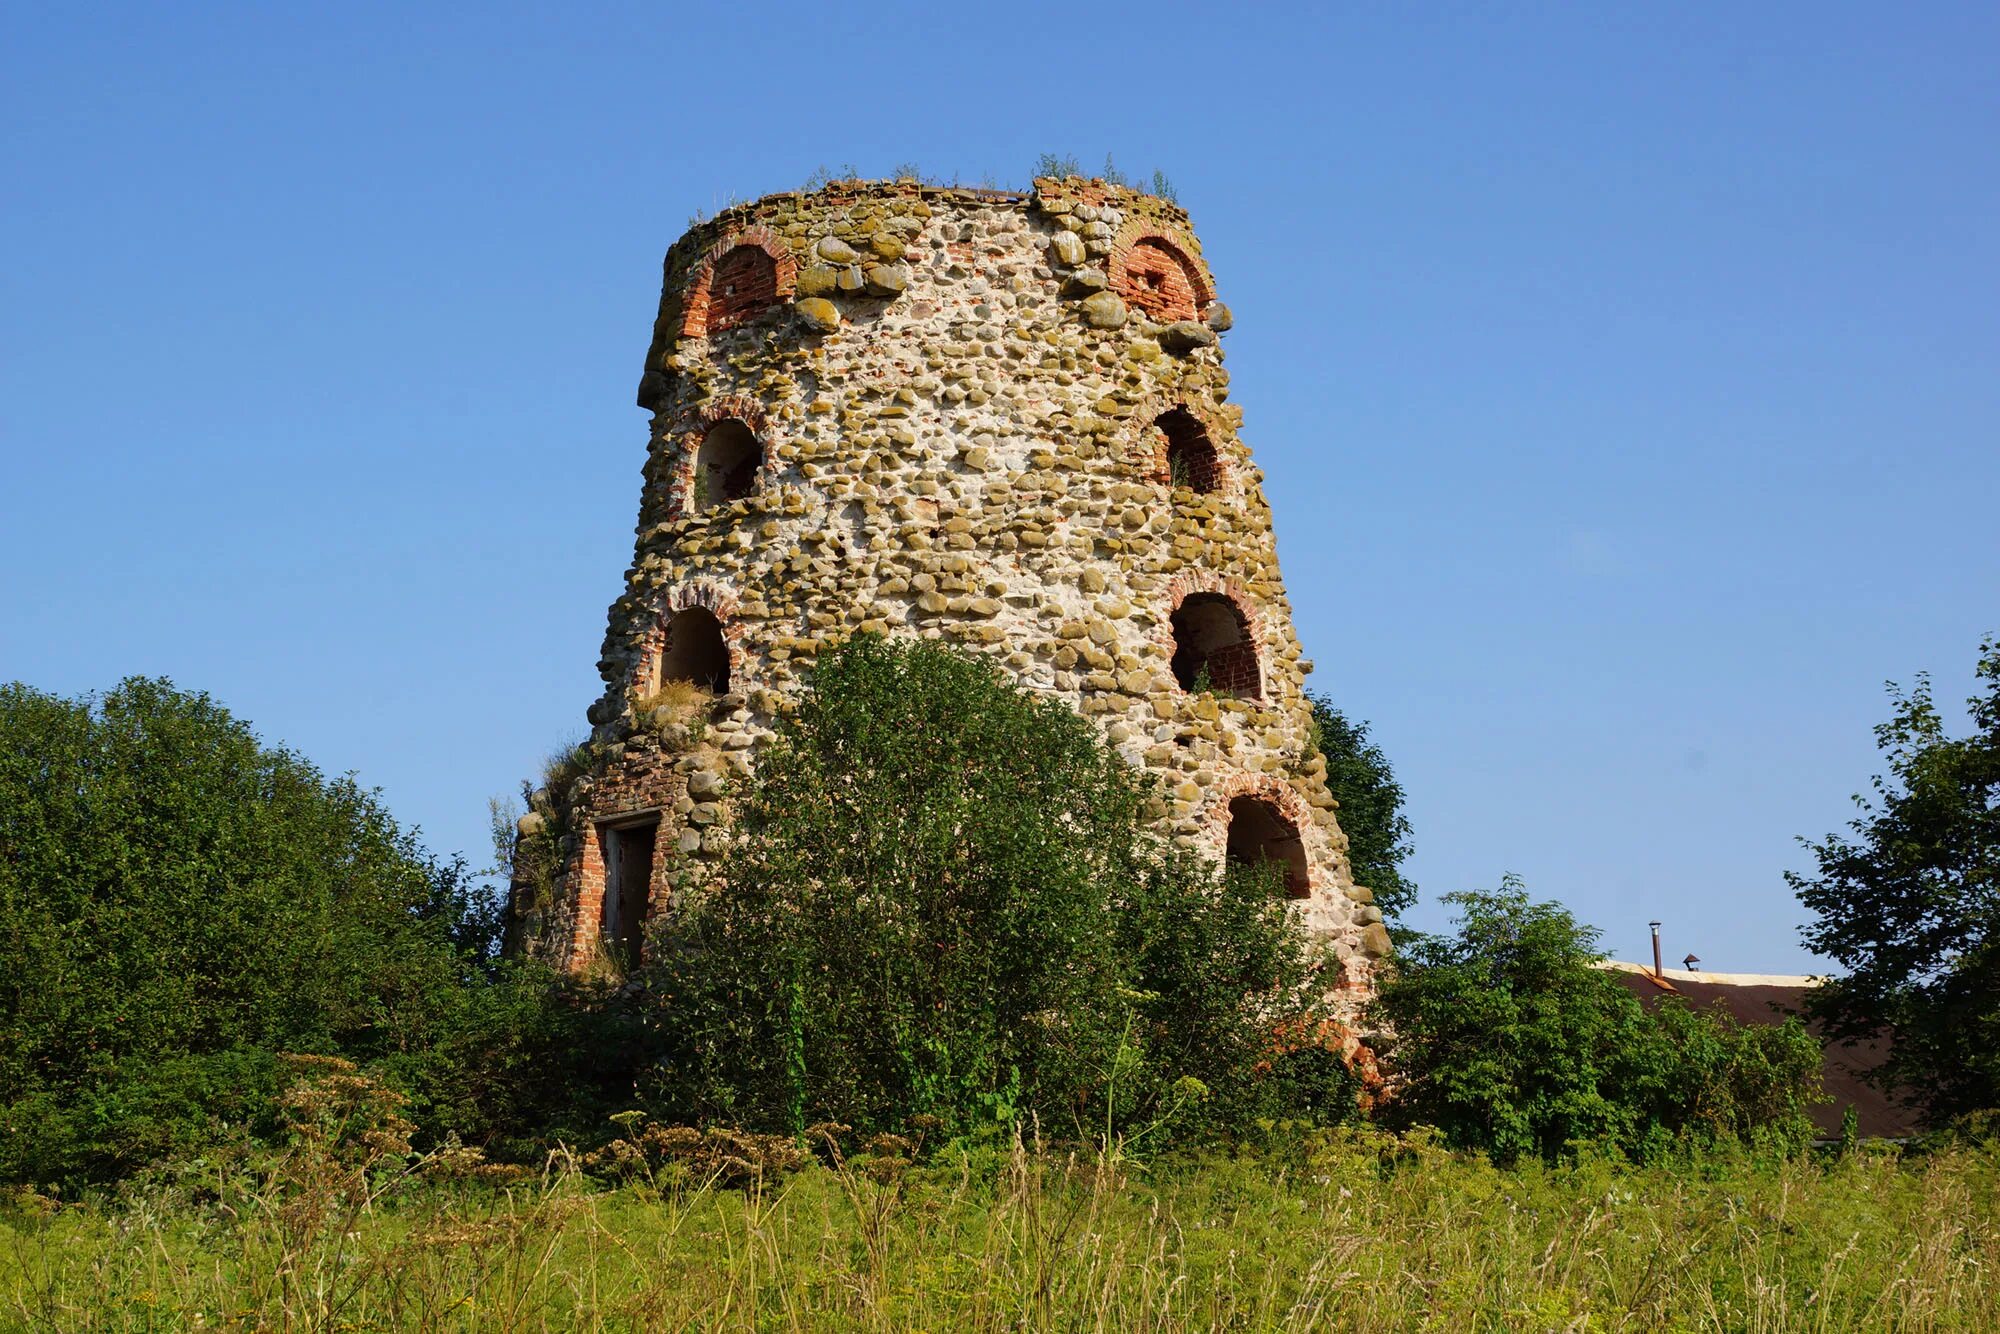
(1158, 272)
(1273, 791)
(1146, 446)
(705, 311)
(1192, 582)
(690, 428)
(715, 598)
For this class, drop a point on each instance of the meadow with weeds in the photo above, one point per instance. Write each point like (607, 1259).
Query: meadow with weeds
(1341, 1229)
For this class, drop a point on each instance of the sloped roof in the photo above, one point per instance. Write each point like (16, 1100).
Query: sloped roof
(1761, 998)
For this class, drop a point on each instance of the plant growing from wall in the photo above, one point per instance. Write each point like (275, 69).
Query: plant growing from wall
(824, 176)
(1064, 165)
(533, 850)
(676, 712)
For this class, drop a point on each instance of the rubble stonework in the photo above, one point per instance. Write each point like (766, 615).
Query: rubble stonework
(992, 418)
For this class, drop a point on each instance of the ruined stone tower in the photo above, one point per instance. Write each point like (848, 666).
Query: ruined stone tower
(995, 418)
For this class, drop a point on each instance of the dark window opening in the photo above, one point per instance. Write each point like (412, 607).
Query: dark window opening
(1260, 836)
(628, 887)
(696, 651)
(1213, 651)
(1191, 457)
(726, 465)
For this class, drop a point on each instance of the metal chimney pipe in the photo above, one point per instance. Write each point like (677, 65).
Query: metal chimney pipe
(1657, 970)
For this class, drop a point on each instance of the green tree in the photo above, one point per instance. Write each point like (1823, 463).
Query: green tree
(945, 898)
(1371, 805)
(179, 904)
(1909, 905)
(1511, 1040)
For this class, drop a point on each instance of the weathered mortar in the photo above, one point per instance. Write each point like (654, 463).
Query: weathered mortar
(955, 392)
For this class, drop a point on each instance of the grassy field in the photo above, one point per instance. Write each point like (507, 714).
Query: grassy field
(1346, 1231)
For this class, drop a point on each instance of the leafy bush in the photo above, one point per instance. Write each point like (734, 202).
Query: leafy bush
(944, 898)
(1511, 1041)
(1371, 805)
(180, 904)
(1910, 906)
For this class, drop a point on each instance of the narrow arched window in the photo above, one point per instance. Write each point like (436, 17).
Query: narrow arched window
(1261, 836)
(1158, 279)
(695, 651)
(742, 283)
(1190, 454)
(726, 465)
(1213, 648)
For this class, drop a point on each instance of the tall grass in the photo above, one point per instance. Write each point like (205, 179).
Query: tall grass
(1340, 1231)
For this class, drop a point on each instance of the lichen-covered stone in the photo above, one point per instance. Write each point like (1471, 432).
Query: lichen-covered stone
(820, 313)
(1219, 317)
(1085, 282)
(1103, 311)
(818, 280)
(1067, 249)
(836, 251)
(1185, 336)
(885, 279)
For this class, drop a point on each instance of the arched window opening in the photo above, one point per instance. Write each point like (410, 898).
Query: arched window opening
(1260, 835)
(1159, 281)
(696, 651)
(1213, 650)
(1191, 458)
(725, 467)
(741, 284)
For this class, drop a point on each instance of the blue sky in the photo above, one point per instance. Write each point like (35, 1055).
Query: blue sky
(1624, 377)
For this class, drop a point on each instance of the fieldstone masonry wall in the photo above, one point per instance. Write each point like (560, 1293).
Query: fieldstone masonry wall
(996, 419)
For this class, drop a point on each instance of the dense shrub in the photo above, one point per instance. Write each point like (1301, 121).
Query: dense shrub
(1909, 903)
(1379, 837)
(180, 904)
(945, 899)
(1510, 1040)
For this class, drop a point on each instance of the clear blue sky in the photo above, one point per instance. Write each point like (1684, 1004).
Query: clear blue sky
(1625, 379)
